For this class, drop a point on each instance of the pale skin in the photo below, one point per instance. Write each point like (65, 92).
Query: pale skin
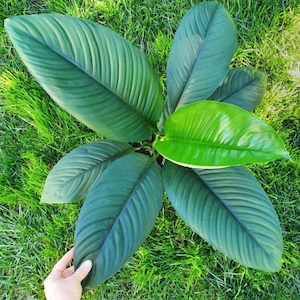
(64, 283)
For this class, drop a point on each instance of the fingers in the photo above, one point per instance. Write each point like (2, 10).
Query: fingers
(61, 265)
(68, 272)
(83, 270)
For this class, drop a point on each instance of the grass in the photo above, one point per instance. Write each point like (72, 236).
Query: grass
(173, 263)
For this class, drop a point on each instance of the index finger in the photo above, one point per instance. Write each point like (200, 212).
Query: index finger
(61, 265)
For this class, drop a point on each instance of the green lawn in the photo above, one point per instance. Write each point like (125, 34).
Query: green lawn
(173, 263)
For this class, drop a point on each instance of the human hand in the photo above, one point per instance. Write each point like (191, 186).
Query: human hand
(64, 283)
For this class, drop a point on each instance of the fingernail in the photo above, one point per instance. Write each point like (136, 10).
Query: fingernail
(87, 263)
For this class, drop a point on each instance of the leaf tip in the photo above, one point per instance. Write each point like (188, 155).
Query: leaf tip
(48, 198)
(286, 155)
(45, 200)
(275, 266)
(7, 23)
(11, 24)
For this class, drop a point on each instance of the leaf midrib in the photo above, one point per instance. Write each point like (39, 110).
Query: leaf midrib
(230, 211)
(116, 220)
(113, 157)
(238, 90)
(149, 122)
(198, 57)
(182, 141)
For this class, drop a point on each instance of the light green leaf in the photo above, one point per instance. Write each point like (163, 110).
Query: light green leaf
(202, 49)
(118, 214)
(91, 72)
(228, 208)
(242, 87)
(212, 134)
(74, 174)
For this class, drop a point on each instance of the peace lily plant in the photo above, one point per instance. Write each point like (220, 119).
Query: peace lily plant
(109, 85)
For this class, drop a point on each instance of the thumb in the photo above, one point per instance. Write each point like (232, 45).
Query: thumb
(83, 270)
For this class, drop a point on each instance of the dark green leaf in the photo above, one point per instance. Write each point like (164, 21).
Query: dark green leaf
(74, 174)
(242, 87)
(214, 134)
(118, 214)
(229, 209)
(91, 72)
(200, 55)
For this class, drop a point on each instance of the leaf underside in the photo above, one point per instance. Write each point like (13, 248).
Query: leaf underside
(229, 209)
(213, 134)
(91, 72)
(202, 50)
(118, 215)
(75, 173)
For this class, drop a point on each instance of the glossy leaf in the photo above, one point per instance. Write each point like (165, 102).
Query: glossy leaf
(242, 87)
(202, 49)
(118, 214)
(229, 209)
(91, 72)
(214, 134)
(74, 174)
